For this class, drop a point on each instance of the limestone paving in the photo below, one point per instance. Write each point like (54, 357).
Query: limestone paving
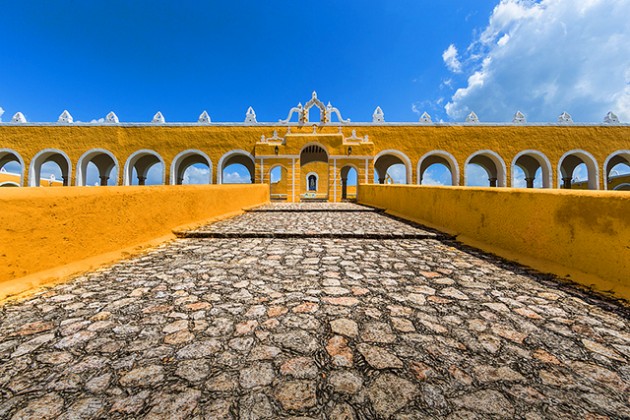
(313, 328)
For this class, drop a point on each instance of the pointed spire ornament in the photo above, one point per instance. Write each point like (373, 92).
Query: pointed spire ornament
(611, 118)
(519, 118)
(250, 116)
(565, 118)
(378, 116)
(111, 118)
(158, 118)
(18, 118)
(65, 118)
(472, 118)
(204, 118)
(425, 118)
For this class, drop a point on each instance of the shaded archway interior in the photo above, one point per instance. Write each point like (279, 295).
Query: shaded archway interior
(188, 161)
(382, 165)
(488, 165)
(104, 164)
(435, 160)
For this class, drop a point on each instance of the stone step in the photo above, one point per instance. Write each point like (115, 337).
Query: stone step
(304, 235)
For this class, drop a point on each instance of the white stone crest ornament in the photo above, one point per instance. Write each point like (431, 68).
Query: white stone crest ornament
(111, 118)
(472, 118)
(425, 118)
(378, 116)
(565, 118)
(18, 118)
(324, 111)
(519, 118)
(611, 118)
(1, 113)
(158, 118)
(250, 116)
(65, 118)
(204, 118)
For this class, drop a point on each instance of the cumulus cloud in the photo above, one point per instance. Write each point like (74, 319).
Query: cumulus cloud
(545, 57)
(236, 178)
(196, 174)
(450, 59)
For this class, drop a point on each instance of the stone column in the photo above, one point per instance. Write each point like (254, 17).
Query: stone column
(344, 188)
(381, 180)
(180, 181)
(493, 182)
(104, 180)
(141, 180)
(64, 178)
(566, 183)
(530, 182)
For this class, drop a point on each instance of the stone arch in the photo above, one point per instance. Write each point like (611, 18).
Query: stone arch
(9, 184)
(622, 187)
(9, 155)
(317, 152)
(345, 170)
(441, 157)
(570, 160)
(236, 156)
(492, 163)
(615, 158)
(184, 160)
(386, 158)
(529, 161)
(104, 160)
(279, 190)
(49, 155)
(142, 161)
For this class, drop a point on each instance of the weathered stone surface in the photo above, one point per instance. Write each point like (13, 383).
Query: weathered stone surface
(298, 340)
(296, 395)
(259, 374)
(143, 377)
(390, 393)
(486, 402)
(300, 367)
(345, 382)
(175, 406)
(341, 354)
(346, 327)
(49, 406)
(379, 358)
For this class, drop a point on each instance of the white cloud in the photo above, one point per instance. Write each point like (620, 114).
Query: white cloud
(450, 59)
(398, 173)
(235, 178)
(196, 175)
(545, 57)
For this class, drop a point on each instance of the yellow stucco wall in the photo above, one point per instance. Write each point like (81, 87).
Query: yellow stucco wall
(43, 230)
(411, 142)
(584, 234)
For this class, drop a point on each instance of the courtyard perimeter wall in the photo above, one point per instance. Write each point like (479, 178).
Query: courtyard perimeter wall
(47, 234)
(583, 236)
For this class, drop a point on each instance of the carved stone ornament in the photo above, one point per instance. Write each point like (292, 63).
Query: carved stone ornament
(65, 118)
(565, 118)
(324, 111)
(204, 118)
(250, 116)
(519, 118)
(158, 118)
(472, 118)
(611, 118)
(111, 118)
(18, 118)
(425, 118)
(378, 116)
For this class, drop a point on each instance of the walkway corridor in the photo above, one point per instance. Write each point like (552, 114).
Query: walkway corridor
(313, 311)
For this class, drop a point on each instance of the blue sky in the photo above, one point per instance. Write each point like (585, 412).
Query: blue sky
(448, 58)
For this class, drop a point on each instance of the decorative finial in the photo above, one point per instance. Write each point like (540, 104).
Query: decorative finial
(314, 96)
(65, 118)
(611, 118)
(18, 118)
(1, 112)
(519, 118)
(158, 118)
(472, 118)
(425, 118)
(565, 118)
(111, 118)
(204, 118)
(378, 116)
(250, 116)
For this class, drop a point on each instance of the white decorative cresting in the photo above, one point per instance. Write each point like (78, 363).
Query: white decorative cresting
(1, 113)
(324, 111)
(519, 118)
(378, 116)
(250, 116)
(425, 118)
(565, 118)
(472, 118)
(204, 118)
(158, 118)
(65, 118)
(18, 118)
(611, 118)
(111, 118)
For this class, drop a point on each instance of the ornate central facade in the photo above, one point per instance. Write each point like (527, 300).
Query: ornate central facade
(305, 159)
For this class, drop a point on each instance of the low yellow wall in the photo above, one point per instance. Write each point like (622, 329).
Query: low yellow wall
(580, 235)
(48, 233)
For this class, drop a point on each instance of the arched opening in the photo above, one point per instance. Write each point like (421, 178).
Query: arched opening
(53, 166)
(9, 184)
(144, 167)
(314, 163)
(392, 167)
(278, 183)
(531, 169)
(438, 168)
(97, 167)
(617, 171)
(349, 178)
(191, 167)
(577, 169)
(236, 167)
(11, 168)
(485, 168)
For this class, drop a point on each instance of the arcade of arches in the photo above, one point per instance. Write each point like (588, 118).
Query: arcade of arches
(321, 162)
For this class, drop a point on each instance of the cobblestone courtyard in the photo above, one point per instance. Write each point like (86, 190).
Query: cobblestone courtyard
(402, 324)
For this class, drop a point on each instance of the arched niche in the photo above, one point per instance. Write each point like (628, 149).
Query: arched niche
(349, 181)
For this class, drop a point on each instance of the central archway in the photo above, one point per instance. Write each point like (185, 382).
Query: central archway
(388, 158)
(314, 167)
